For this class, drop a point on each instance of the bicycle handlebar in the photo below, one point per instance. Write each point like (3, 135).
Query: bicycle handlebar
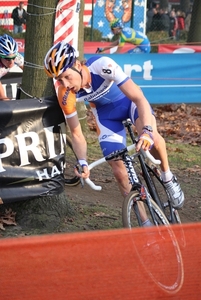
(111, 156)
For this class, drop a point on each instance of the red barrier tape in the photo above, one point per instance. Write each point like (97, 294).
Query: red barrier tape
(115, 264)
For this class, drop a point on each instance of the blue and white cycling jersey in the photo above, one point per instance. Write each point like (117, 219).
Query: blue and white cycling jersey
(106, 77)
(109, 105)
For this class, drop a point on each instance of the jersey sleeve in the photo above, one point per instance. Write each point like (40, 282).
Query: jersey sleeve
(109, 69)
(67, 102)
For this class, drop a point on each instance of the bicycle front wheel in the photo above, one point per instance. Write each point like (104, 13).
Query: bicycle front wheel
(71, 161)
(134, 208)
(158, 247)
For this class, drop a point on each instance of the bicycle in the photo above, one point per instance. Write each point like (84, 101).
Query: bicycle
(146, 186)
(144, 191)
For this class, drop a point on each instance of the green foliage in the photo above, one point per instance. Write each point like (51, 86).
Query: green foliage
(92, 34)
(15, 36)
(162, 37)
(157, 37)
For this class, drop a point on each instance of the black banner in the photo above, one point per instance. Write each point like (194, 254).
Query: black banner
(10, 81)
(32, 143)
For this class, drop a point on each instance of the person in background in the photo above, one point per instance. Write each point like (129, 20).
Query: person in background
(113, 98)
(155, 23)
(188, 20)
(164, 20)
(173, 25)
(19, 18)
(9, 56)
(127, 35)
(181, 23)
(150, 13)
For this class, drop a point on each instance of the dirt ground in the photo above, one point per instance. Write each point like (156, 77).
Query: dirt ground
(97, 210)
(102, 209)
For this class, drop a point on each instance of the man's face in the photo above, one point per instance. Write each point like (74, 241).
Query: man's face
(71, 80)
(21, 5)
(116, 30)
(8, 61)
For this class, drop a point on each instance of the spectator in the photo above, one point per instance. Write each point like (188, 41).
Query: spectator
(173, 25)
(181, 23)
(164, 20)
(188, 21)
(9, 57)
(150, 13)
(19, 18)
(155, 23)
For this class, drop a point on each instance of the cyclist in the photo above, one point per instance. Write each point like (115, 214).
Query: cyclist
(113, 97)
(127, 35)
(9, 56)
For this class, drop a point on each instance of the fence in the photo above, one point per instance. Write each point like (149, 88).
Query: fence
(103, 265)
(98, 15)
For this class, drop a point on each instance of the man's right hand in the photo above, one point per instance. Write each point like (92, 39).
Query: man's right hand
(99, 50)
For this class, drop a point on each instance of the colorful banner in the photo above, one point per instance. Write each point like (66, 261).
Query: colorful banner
(66, 25)
(32, 144)
(164, 78)
(171, 48)
(106, 11)
(66, 22)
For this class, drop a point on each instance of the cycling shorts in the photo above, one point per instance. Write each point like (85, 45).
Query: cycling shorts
(140, 49)
(110, 129)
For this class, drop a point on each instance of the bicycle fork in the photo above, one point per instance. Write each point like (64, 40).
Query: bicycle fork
(136, 185)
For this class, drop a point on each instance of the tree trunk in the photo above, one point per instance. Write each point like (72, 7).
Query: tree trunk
(39, 38)
(164, 4)
(194, 34)
(43, 214)
(185, 5)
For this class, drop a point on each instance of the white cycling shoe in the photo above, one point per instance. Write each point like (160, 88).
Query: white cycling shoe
(175, 193)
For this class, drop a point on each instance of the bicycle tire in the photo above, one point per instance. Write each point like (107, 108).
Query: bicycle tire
(164, 239)
(71, 161)
(131, 201)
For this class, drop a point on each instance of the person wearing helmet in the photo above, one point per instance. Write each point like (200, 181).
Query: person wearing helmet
(124, 35)
(113, 97)
(9, 56)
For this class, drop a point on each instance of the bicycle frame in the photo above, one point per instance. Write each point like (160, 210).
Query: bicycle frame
(143, 165)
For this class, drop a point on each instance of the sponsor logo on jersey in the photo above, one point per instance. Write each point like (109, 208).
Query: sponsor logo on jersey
(65, 96)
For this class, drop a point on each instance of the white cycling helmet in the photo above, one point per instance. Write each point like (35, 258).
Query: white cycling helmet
(8, 46)
(59, 58)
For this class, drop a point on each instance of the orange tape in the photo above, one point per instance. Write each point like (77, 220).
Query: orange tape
(116, 264)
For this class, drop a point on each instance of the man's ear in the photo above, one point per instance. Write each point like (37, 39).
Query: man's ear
(78, 65)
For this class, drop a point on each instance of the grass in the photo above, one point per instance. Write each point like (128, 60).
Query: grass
(181, 156)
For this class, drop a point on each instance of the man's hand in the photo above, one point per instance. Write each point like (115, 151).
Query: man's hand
(85, 170)
(99, 50)
(145, 141)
